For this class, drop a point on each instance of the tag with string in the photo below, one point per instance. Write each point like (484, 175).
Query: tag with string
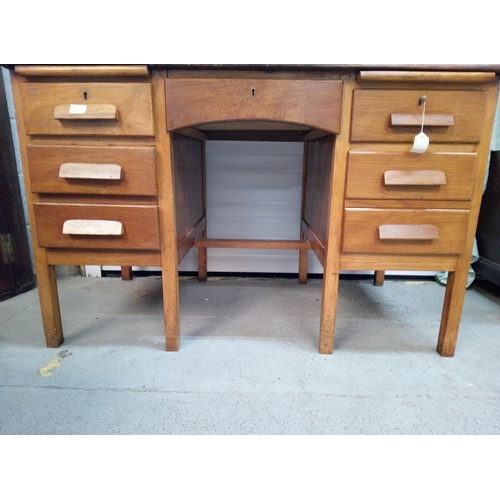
(421, 141)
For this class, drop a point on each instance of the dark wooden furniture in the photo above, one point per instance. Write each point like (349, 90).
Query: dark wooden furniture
(16, 273)
(488, 230)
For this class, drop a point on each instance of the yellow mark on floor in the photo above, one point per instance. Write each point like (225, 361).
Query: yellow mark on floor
(46, 371)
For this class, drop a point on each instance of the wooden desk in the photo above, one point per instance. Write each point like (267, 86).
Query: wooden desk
(114, 169)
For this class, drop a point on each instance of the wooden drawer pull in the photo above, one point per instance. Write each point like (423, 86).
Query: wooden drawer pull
(408, 232)
(82, 227)
(85, 112)
(415, 120)
(97, 171)
(414, 178)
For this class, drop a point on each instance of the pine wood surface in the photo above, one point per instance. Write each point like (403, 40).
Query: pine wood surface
(416, 120)
(414, 178)
(92, 227)
(91, 171)
(408, 232)
(88, 112)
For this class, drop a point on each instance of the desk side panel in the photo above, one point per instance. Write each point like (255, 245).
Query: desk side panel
(189, 189)
(317, 175)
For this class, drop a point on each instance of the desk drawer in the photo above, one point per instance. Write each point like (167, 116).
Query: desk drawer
(404, 231)
(87, 108)
(137, 226)
(92, 170)
(410, 176)
(314, 103)
(385, 115)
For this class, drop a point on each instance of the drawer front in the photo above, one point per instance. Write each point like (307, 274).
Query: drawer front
(88, 108)
(382, 115)
(410, 176)
(92, 170)
(138, 226)
(404, 231)
(314, 103)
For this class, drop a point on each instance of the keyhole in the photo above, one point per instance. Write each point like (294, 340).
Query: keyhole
(85, 95)
(253, 91)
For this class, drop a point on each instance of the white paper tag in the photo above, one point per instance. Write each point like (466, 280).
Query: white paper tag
(77, 109)
(420, 144)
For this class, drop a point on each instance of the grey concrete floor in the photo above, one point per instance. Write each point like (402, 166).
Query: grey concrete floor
(248, 362)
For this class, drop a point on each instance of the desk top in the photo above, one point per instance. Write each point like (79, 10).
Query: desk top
(307, 67)
(337, 67)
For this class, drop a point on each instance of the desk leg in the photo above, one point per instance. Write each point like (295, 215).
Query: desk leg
(452, 312)
(378, 278)
(166, 208)
(335, 167)
(49, 305)
(202, 258)
(202, 264)
(328, 312)
(171, 311)
(126, 273)
(303, 254)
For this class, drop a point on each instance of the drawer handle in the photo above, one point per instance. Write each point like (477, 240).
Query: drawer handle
(92, 171)
(408, 232)
(415, 120)
(414, 178)
(85, 112)
(82, 227)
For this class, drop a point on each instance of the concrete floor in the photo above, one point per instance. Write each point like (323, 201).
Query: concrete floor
(248, 362)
